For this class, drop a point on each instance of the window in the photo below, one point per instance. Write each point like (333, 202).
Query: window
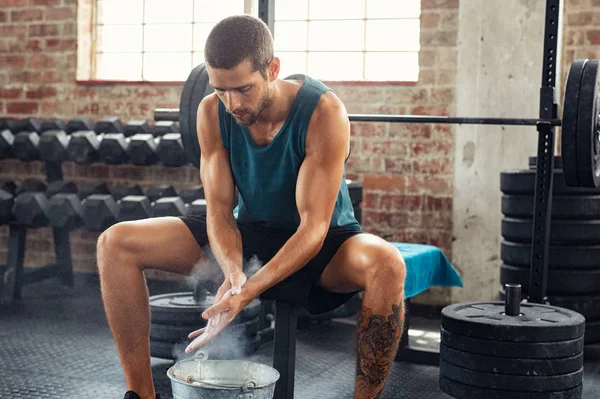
(333, 40)
(154, 40)
(373, 40)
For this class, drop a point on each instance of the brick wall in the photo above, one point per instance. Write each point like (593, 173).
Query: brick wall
(406, 170)
(581, 31)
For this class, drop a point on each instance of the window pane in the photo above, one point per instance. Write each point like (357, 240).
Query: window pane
(293, 10)
(392, 66)
(110, 38)
(167, 66)
(405, 34)
(214, 11)
(290, 35)
(119, 66)
(198, 59)
(393, 8)
(291, 63)
(335, 66)
(337, 9)
(168, 37)
(173, 11)
(336, 35)
(120, 12)
(201, 32)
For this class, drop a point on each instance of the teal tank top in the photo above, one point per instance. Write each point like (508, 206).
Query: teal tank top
(266, 176)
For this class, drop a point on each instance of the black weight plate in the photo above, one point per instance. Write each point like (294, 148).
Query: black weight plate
(165, 332)
(536, 323)
(523, 182)
(511, 382)
(511, 366)
(463, 391)
(592, 332)
(180, 309)
(560, 281)
(588, 125)
(569, 122)
(521, 350)
(563, 256)
(563, 207)
(216, 349)
(191, 95)
(562, 232)
(587, 305)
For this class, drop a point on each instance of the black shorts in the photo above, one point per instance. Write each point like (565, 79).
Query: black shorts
(264, 242)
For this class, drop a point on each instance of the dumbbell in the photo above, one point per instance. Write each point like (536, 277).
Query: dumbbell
(8, 191)
(65, 210)
(141, 207)
(55, 138)
(180, 205)
(142, 148)
(83, 145)
(8, 128)
(26, 139)
(31, 208)
(100, 211)
(113, 147)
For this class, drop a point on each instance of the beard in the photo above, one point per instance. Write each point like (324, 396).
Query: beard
(251, 116)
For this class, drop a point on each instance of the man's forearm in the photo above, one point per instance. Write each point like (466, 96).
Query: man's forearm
(301, 247)
(225, 242)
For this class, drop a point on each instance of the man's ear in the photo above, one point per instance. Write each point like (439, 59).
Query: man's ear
(274, 68)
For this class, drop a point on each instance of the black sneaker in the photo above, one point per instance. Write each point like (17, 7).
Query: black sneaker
(133, 395)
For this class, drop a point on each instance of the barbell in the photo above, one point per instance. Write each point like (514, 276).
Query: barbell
(580, 120)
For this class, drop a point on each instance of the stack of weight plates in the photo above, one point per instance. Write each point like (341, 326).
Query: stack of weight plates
(486, 354)
(174, 316)
(574, 258)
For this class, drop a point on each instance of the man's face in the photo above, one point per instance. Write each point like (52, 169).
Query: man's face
(245, 93)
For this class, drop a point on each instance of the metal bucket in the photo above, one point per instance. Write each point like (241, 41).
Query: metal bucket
(199, 378)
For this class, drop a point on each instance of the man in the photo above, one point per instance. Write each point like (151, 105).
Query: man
(284, 145)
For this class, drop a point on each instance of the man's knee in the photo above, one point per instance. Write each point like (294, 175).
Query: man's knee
(116, 242)
(388, 265)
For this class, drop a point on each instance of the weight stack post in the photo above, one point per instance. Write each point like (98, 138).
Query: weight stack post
(542, 207)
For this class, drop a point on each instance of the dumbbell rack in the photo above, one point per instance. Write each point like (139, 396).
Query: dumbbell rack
(14, 276)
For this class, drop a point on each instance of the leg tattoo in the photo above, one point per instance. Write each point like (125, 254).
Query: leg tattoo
(377, 338)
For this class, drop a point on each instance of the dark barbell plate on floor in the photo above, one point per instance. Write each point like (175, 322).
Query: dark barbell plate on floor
(588, 126)
(458, 390)
(177, 333)
(565, 256)
(512, 382)
(567, 207)
(521, 350)
(536, 323)
(194, 90)
(592, 332)
(179, 308)
(569, 123)
(587, 305)
(560, 281)
(216, 349)
(511, 366)
(523, 182)
(562, 232)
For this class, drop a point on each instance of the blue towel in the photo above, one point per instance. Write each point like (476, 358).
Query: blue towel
(426, 266)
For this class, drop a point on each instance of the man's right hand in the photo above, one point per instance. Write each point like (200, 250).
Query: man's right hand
(235, 282)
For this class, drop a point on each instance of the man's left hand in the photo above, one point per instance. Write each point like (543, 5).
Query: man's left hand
(218, 317)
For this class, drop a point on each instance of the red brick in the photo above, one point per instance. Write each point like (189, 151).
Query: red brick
(401, 202)
(580, 18)
(49, 108)
(25, 76)
(399, 166)
(69, 29)
(43, 30)
(442, 96)
(10, 94)
(383, 147)
(410, 132)
(437, 166)
(427, 184)
(22, 107)
(430, 20)
(438, 38)
(436, 4)
(30, 14)
(61, 44)
(40, 61)
(430, 110)
(35, 45)
(575, 37)
(13, 61)
(430, 149)
(41, 93)
(445, 77)
(13, 30)
(44, 2)
(384, 182)
(593, 37)
(12, 3)
(60, 14)
(361, 129)
(438, 203)
(3, 16)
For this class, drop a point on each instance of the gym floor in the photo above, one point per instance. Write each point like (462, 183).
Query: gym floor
(55, 343)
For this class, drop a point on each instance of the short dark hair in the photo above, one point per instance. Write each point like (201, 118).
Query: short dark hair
(239, 38)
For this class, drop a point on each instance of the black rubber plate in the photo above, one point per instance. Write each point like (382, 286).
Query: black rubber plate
(562, 232)
(560, 282)
(459, 390)
(523, 182)
(511, 366)
(588, 157)
(560, 256)
(563, 207)
(569, 123)
(587, 305)
(536, 323)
